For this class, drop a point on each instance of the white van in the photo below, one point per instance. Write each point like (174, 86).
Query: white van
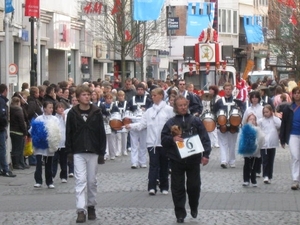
(255, 75)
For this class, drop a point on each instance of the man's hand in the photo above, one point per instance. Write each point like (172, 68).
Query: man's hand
(204, 161)
(101, 159)
(71, 158)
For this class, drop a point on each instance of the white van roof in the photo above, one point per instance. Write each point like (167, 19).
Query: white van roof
(262, 72)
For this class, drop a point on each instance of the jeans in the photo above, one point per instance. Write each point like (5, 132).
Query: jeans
(3, 162)
(158, 167)
(86, 166)
(61, 157)
(39, 168)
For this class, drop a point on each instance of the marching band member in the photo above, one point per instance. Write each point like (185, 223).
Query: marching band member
(121, 103)
(138, 105)
(111, 135)
(208, 35)
(227, 139)
(213, 136)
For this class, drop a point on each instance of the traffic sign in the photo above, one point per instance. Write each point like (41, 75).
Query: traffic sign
(13, 68)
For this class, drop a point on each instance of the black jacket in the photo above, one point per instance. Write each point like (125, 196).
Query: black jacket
(3, 113)
(188, 123)
(286, 124)
(34, 108)
(17, 120)
(85, 136)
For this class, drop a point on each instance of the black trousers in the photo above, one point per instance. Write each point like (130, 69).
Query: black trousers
(249, 170)
(268, 156)
(185, 179)
(39, 168)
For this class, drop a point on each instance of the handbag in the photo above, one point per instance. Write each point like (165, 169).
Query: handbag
(190, 146)
(28, 150)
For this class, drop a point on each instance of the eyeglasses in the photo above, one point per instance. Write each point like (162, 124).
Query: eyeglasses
(181, 84)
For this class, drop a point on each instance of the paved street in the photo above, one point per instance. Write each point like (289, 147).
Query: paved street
(123, 198)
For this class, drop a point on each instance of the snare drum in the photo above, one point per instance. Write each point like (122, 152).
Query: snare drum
(126, 118)
(235, 118)
(209, 121)
(221, 117)
(115, 121)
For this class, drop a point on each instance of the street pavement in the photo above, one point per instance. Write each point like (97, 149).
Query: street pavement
(123, 198)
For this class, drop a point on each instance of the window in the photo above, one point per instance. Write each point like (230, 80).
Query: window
(228, 21)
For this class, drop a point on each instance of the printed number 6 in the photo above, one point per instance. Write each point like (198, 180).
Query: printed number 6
(189, 144)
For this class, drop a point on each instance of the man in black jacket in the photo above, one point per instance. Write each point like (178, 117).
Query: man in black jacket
(3, 132)
(189, 166)
(86, 143)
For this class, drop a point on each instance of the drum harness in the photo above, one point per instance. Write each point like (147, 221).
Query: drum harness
(228, 105)
(139, 104)
(122, 109)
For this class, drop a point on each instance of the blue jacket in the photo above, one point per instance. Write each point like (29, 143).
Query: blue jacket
(190, 125)
(3, 113)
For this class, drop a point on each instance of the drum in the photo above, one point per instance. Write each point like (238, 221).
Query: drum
(126, 118)
(115, 121)
(209, 121)
(221, 117)
(235, 118)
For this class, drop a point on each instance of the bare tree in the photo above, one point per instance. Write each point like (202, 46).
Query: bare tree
(116, 27)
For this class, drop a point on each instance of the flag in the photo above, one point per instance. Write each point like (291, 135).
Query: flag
(147, 10)
(116, 7)
(8, 6)
(288, 3)
(127, 35)
(32, 8)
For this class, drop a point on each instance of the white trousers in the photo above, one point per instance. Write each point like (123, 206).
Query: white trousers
(85, 171)
(138, 147)
(112, 144)
(294, 144)
(122, 143)
(227, 143)
(213, 136)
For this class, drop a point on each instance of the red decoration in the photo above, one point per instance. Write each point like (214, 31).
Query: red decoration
(127, 35)
(191, 68)
(197, 68)
(289, 3)
(116, 7)
(207, 65)
(224, 65)
(218, 65)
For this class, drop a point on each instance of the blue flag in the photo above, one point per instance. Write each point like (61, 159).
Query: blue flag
(8, 6)
(147, 10)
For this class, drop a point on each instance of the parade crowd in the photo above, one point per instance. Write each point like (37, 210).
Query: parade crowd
(156, 124)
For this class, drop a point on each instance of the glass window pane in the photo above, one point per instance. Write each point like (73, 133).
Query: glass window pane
(229, 21)
(219, 21)
(224, 21)
(235, 24)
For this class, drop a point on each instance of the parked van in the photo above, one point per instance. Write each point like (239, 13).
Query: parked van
(254, 76)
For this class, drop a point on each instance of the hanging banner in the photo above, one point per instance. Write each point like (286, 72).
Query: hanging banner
(8, 6)
(32, 8)
(147, 10)
(197, 22)
(253, 29)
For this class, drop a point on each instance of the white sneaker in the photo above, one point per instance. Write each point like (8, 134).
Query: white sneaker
(71, 174)
(64, 181)
(266, 180)
(37, 185)
(129, 149)
(254, 185)
(164, 192)
(51, 186)
(143, 166)
(112, 158)
(217, 146)
(232, 165)
(125, 153)
(152, 192)
(246, 184)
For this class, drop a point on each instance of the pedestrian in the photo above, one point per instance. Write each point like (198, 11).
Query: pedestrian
(18, 133)
(189, 167)
(4, 170)
(290, 134)
(45, 140)
(61, 154)
(249, 141)
(270, 126)
(85, 143)
(153, 120)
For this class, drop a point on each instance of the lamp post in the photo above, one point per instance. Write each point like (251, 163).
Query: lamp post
(32, 69)
(170, 41)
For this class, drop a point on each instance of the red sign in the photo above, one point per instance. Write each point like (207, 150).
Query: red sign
(138, 51)
(93, 7)
(32, 8)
